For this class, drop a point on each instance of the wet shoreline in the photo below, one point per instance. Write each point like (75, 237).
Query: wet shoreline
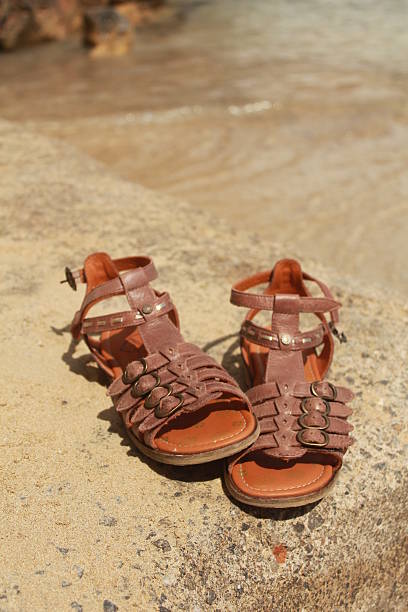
(258, 113)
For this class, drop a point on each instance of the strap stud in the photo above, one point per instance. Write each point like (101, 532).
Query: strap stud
(147, 309)
(286, 339)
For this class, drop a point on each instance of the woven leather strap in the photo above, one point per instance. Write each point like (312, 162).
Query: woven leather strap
(299, 419)
(160, 387)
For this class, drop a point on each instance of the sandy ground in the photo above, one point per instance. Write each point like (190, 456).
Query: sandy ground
(89, 524)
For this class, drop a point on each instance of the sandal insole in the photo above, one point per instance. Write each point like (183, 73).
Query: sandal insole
(262, 476)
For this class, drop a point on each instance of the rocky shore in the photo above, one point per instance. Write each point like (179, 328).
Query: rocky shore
(107, 25)
(87, 523)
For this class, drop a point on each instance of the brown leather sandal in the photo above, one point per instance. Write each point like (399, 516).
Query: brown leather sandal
(304, 433)
(179, 406)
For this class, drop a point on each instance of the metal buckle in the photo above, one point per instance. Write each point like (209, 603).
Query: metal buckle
(299, 438)
(134, 391)
(69, 278)
(148, 401)
(341, 336)
(306, 399)
(314, 391)
(320, 428)
(160, 415)
(125, 376)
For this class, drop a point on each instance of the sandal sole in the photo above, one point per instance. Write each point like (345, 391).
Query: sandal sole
(196, 458)
(270, 502)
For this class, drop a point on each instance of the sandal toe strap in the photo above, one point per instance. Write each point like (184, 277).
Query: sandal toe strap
(156, 389)
(299, 418)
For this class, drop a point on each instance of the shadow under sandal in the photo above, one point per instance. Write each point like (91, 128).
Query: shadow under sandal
(178, 405)
(303, 418)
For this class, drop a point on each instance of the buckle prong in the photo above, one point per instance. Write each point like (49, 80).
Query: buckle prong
(341, 336)
(70, 279)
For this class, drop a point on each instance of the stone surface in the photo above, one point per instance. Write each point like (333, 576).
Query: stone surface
(89, 524)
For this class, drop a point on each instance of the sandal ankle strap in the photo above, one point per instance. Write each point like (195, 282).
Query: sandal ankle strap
(283, 303)
(129, 275)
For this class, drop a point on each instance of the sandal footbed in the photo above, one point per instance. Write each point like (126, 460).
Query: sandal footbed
(267, 477)
(195, 458)
(271, 502)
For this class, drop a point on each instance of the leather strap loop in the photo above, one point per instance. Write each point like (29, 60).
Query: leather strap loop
(122, 264)
(240, 297)
(284, 304)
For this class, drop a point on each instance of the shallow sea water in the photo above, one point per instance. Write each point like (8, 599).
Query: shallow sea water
(290, 118)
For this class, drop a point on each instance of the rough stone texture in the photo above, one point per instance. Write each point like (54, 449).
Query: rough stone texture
(86, 522)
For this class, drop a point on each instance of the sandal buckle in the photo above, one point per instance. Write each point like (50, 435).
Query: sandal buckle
(300, 434)
(340, 335)
(70, 279)
(127, 380)
(314, 390)
(160, 414)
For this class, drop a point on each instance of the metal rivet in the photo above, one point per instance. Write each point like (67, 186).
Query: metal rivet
(147, 308)
(286, 339)
(116, 320)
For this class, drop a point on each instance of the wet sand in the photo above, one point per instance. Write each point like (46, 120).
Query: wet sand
(288, 119)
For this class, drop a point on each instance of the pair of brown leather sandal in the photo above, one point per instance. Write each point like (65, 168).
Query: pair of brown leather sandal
(284, 439)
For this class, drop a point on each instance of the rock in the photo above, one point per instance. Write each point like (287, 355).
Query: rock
(210, 597)
(162, 545)
(54, 19)
(280, 552)
(132, 11)
(107, 32)
(16, 24)
(143, 13)
(107, 29)
(79, 571)
(36, 21)
(349, 552)
(108, 521)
